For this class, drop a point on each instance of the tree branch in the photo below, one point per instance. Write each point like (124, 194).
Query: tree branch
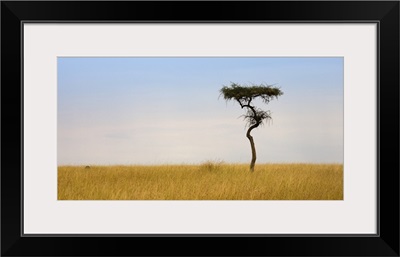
(251, 108)
(241, 105)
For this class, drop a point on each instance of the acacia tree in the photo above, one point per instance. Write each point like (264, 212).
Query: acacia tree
(254, 116)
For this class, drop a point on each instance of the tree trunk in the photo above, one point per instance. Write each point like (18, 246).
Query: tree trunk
(253, 147)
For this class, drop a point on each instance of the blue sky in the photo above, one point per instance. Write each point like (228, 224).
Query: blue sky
(168, 110)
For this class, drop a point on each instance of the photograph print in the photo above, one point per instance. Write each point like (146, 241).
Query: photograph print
(200, 128)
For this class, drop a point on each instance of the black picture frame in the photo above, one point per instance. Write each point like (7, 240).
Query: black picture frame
(384, 243)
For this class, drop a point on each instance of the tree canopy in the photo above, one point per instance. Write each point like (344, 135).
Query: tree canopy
(245, 94)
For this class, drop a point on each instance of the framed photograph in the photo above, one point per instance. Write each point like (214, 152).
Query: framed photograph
(202, 128)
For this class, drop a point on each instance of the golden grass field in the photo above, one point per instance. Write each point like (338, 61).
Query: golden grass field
(208, 181)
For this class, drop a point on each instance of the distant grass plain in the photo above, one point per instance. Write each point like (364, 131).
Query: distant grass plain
(207, 181)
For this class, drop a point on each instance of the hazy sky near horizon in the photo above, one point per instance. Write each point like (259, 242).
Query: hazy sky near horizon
(162, 110)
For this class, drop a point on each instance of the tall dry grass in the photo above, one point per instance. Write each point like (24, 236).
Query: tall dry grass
(209, 181)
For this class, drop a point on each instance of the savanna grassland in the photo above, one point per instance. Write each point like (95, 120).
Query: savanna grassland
(208, 181)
